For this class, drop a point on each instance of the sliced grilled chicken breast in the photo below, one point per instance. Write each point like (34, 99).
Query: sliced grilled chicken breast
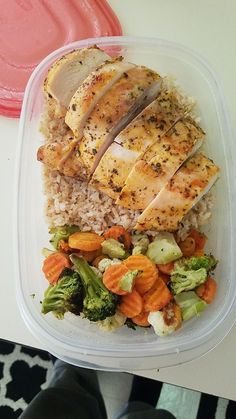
(153, 122)
(126, 98)
(67, 73)
(159, 163)
(51, 155)
(193, 180)
(87, 95)
(91, 90)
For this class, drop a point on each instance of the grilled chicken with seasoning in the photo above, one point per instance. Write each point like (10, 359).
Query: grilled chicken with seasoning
(86, 97)
(51, 155)
(67, 73)
(152, 123)
(126, 98)
(159, 163)
(91, 90)
(193, 180)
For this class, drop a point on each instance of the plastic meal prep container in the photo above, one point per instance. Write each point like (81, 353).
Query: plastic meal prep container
(76, 340)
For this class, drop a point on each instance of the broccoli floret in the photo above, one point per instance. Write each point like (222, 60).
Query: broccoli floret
(113, 249)
(66, 295)
(186, 280)
(61, 233)
(99, 303)
(189, 273)
(196, 262)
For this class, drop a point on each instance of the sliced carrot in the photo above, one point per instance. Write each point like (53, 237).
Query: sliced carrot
(131, 304)
(53, 265)
(200, 239)
(90, 256)
(120, 234)
(63, 246)
(207, 291)
(97, 260)
(199, 253)
(157, 297)
(188, 246)
(166, 268)
(112, 276)
(164, 277)
(141, 319)
(148, 272)
(172, 315)
(83, 240)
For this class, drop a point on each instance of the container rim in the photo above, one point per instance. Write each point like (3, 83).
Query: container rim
(33, 321)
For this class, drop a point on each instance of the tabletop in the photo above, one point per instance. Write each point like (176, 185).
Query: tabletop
(207, 26)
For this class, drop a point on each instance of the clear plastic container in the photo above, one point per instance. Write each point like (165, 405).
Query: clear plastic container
(73, 339)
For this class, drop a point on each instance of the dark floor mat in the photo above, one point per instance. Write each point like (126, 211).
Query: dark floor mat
(23, 373)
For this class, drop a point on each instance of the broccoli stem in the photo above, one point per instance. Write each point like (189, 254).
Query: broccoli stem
(88, 276)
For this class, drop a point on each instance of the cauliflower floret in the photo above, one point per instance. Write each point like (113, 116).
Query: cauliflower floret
(167, 320)
(105, 263)
(112, 323)
(140, 243)
(157, 320)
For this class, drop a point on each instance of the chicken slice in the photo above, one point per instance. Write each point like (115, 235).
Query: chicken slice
(131, 143)
(193, 180)
(126, 98)
(67, 73)
(91, 90)
(50, 154)
(86, 97)
(159, 163)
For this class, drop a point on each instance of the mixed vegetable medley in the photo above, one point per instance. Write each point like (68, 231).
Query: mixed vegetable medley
(121, 278)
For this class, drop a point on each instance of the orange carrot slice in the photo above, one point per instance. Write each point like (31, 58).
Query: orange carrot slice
(164, 277)
(199, 253)
(207, 291)
(188, 246)
(112, 276)
(120, 234)
(141, 319)
(200, 239)
(90, 256)
(53, 265)
(166, 268)
(63, 246)
(157, 297)
(83, 240)
(148, 272)
(131, 304)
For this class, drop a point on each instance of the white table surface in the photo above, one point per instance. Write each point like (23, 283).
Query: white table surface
(208, 26)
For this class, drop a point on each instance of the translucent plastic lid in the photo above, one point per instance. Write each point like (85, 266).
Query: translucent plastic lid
(31, 29)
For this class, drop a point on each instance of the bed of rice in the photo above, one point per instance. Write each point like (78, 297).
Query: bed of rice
(71, 201)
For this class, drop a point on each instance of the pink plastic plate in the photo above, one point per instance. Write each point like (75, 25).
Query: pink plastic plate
(31, 29)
